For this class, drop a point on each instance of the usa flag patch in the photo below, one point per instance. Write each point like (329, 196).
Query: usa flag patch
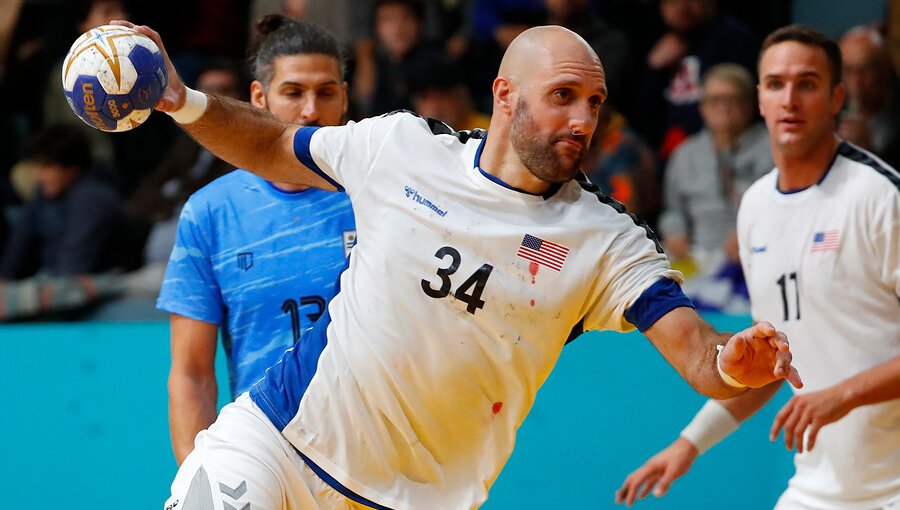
(826, 240)
(543, 252)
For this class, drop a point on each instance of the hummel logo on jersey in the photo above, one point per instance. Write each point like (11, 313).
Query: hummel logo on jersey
(412, 194)
(758, 249)
(245, 260)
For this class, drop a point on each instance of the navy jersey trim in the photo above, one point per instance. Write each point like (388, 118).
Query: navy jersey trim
(302, 138)
(338, 486)
(820, 181)
(576, 332)
(438, 127)
(590, 187)
(482, 135)
(852, 152)
(659, 299)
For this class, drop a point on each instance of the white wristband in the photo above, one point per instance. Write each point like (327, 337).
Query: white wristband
(731, 381)
(194, 105)
(710, 425)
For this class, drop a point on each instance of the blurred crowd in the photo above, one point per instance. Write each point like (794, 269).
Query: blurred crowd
(89, 216)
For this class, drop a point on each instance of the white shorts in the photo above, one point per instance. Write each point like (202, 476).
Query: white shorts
(243, 462)
(790, 501)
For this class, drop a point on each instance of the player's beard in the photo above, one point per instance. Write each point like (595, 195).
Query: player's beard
(538, 153)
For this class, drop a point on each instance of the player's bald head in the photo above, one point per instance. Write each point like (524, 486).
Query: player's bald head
(544, 49)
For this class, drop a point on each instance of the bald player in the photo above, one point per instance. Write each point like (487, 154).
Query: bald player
(478, 257)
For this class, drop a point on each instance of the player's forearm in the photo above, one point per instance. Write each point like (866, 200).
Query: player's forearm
(878, 384)
(689, 344)
(192, 408)
(704, 373)
(251, 139)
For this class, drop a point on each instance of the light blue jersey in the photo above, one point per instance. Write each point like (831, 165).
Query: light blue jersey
(259, 262)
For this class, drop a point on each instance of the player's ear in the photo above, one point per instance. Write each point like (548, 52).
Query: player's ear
(258, 95)
(838, 94)
(344, 93)
(502, 89)
(758, 102)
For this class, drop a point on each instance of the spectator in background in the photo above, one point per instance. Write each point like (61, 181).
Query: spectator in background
(871, 117)
(437, 91)
(257, 259)
(67, 228)
(577, 16)
(89, 14)
(336, 16)
(445, 22)
(623, 166)
(705, 179)
(697, 37)
(892, 28)
(399, 49)
(187, 167)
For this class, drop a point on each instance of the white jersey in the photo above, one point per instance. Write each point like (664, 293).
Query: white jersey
(823, 265)
(456, 303)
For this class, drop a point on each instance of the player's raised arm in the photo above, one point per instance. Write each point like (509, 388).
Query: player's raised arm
(234, 131)
(721, 365)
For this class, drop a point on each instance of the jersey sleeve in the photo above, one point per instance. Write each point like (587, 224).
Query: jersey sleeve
(190, 288)
(343, 155)
(637, 287)
(885, 235)
(744, 221)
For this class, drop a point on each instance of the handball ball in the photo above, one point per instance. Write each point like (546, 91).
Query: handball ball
(112, 77)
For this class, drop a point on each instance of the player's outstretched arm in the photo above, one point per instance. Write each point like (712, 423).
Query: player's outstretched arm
(715, 421)
(234, 131)
(808, 413)
(752, 358)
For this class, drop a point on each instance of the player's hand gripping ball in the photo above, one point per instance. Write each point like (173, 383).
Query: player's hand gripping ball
(113, 76)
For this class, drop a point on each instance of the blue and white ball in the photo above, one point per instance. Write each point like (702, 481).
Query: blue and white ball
(112, 77)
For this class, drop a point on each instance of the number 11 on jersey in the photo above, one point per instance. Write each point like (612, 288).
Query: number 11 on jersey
(785, 287)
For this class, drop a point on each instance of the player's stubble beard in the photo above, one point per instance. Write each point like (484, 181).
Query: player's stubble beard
(537, 153)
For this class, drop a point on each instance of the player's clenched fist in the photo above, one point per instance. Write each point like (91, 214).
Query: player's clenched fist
(758, 356)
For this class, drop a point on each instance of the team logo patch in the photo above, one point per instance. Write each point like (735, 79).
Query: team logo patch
(543, 252)
(245, 260)
(758, 249)
(349, 241)
(826, 240)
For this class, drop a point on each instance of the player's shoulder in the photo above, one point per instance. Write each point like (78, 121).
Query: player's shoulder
(596, 207)
(428, 127)
(224, 187)
(761, 188)
(864, 172)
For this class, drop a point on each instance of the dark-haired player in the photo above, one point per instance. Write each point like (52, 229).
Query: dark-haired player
(257, 259)
(820, 246)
